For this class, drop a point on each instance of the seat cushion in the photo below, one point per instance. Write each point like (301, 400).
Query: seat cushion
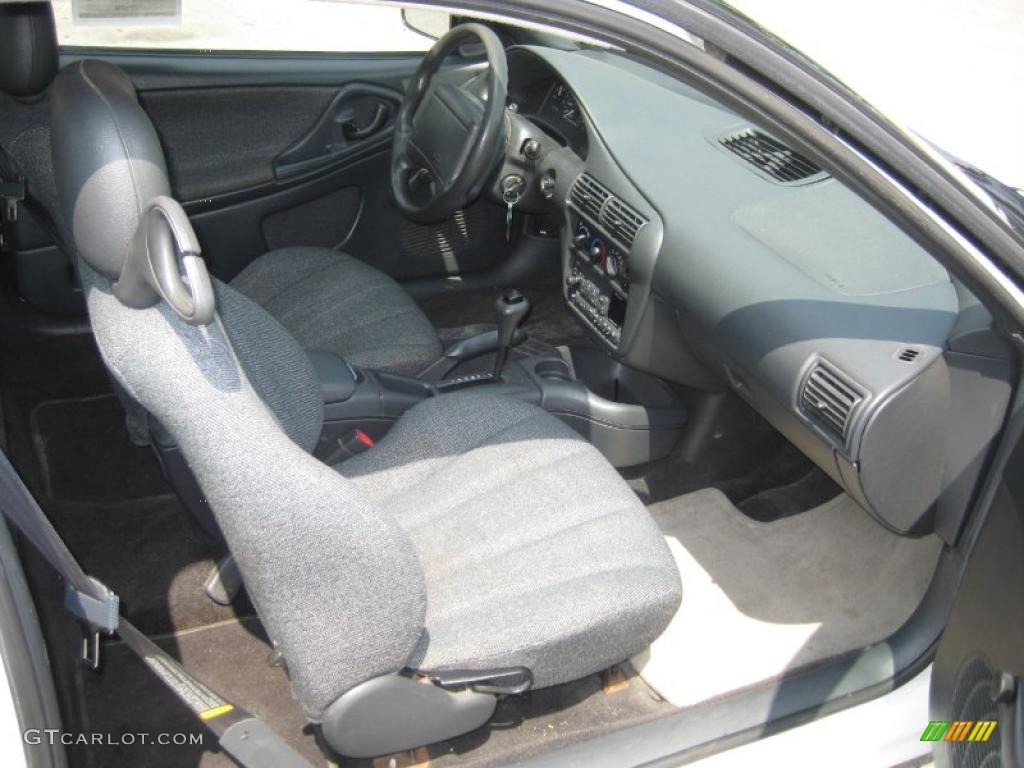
(535, 551)
(332, 301)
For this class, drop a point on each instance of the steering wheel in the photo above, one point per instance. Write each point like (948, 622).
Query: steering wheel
(447, 140)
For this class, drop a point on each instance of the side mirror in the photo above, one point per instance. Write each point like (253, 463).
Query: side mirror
(428, 22)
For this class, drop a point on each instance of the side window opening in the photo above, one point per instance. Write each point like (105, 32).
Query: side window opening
(236, 25)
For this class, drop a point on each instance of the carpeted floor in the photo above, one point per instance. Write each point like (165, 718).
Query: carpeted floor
(767, 598)
(230, 657)
(748, 460)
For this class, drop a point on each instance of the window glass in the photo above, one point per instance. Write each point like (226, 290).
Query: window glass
(235, 25)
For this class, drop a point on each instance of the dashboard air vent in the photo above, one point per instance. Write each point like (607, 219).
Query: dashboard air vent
(770, 156)
(828, 397)
(589, 195)
(622, 221)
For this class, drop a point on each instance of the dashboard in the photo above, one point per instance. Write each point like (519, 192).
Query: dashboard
(698, 247)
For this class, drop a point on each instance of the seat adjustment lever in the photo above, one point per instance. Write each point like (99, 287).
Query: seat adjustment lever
(507, 681)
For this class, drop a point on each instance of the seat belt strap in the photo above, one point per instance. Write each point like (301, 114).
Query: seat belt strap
(242, 735)
(14, 191)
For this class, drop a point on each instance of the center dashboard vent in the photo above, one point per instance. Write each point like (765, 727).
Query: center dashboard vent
(595, 200)
(770, 156)
(622, 221)
(827, 396)
(589, 195)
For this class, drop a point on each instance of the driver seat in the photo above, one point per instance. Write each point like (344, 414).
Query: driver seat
(481, 548)
(332, 301)
(326, 299)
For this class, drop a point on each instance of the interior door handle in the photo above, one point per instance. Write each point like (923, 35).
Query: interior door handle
(337, 135)
(355, 133)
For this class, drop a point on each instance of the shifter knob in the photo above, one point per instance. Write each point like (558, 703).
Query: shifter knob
(511, 306)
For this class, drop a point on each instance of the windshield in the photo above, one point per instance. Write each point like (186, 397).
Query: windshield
(948, 70)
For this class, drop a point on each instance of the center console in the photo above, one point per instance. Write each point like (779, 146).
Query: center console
(630, 416)
(597, 283)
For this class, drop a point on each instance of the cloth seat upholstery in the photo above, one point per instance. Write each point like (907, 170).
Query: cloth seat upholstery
(534, 550)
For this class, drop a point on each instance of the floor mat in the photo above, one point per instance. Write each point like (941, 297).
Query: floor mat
(44, 369)
(85, 453)
(761, 599)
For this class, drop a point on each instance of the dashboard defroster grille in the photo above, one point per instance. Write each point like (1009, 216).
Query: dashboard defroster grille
(770, 155)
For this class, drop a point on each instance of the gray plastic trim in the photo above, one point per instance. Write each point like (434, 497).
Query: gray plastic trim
(392, 713)
(164, 247)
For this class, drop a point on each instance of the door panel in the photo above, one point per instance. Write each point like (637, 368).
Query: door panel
(979, 666)
(270, 151)
(219, 140)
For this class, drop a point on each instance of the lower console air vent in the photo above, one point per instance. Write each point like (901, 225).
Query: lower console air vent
(829, 398)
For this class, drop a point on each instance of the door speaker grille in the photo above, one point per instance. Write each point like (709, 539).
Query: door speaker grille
(972, 701)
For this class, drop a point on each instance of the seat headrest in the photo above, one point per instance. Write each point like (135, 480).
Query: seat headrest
(107, 161)
(28, 48)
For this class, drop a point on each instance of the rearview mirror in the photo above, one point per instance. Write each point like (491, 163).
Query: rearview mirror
(425, 21)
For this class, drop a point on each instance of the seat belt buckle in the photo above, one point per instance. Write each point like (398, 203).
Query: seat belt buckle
(98, 615)
(12, 193)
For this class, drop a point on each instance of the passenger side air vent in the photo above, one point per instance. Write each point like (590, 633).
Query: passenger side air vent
(770, 156)
(622, 221)
(826, 396)
(589, 195)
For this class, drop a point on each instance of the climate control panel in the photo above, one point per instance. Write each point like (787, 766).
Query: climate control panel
(597, 283)
(609, 260)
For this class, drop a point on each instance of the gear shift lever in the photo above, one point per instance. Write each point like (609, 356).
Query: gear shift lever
(512, 307)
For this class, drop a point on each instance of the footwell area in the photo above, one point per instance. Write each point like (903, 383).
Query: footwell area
(230, 657)
(744, 457)
(763, 599)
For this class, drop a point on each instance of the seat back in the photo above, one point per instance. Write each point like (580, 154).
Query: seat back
(336, 581)
(28, 64)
